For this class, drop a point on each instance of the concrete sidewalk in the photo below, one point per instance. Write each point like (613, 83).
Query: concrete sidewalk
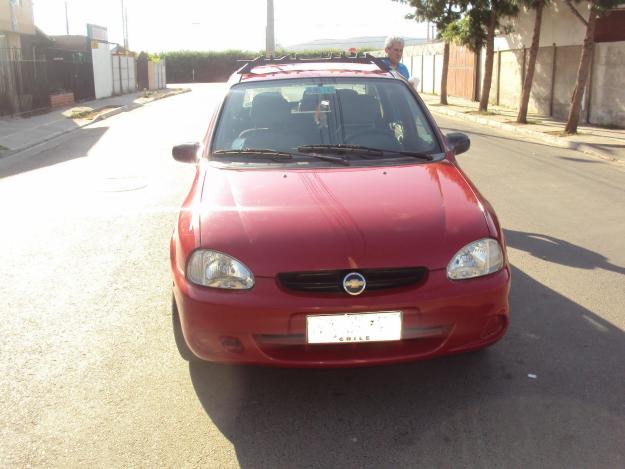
(20, 133)
(597, 141)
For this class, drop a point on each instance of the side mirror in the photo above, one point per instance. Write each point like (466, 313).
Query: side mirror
(186, 152)
(458, 142)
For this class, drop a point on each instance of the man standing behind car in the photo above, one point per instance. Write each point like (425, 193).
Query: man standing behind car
(394, 48)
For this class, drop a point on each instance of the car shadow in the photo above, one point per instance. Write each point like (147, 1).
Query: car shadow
(550, 394)
(65, 148)
(558, 251)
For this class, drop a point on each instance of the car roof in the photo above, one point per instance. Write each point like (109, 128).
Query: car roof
(287, 67)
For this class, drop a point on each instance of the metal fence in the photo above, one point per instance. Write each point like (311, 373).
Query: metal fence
(26, 83)
(23, 82)
(71, 71)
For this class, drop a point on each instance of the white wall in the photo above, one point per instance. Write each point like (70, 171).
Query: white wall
(102, 71)
(559, 26)
(607, 101)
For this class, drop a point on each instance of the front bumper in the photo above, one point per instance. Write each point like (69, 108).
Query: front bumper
(267, 324)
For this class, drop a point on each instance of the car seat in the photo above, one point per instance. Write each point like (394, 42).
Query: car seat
(360, 122)
(270, 115)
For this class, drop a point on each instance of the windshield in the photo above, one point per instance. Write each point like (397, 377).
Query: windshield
(287, 115)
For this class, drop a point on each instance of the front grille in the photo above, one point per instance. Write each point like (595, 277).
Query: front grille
(332, 280)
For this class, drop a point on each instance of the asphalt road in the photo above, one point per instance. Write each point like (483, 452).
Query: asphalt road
(90, 375)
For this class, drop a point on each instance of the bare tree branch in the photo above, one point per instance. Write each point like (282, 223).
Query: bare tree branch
(576, 13)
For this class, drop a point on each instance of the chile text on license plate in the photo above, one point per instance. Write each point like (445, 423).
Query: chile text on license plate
(353, 327)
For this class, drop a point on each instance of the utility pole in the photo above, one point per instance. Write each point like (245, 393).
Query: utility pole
(66, 20)
(124, 26)
(271, 44)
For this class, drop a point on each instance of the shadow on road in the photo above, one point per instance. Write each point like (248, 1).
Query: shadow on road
(559, 251)
(66, 148)
(579, 160)
(550, 394)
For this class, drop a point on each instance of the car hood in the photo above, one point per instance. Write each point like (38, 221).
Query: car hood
(344, 218)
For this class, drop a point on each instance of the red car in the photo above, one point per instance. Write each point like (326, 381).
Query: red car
(329, 224)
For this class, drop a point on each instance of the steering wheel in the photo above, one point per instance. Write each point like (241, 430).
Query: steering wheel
(373, 138)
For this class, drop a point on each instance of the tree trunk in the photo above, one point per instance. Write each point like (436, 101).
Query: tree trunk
(529, 76)
(582, 72)
(488, 68)
(444, 74)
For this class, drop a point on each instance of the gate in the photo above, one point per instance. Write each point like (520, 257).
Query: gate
(462, 78)
(142, 72)
(23, 82)
(71, 71)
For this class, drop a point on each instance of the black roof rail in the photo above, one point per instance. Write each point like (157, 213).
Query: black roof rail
(342, 58)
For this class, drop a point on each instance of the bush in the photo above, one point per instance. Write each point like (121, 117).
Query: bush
(206, 67)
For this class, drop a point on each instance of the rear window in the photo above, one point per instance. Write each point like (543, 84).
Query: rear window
(285, 114)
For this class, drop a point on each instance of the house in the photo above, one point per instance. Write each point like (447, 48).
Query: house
(17, 40)
(16, 23)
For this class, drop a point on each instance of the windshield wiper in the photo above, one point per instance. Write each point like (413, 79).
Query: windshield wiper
(273, 154)
(361, 150)
(339, 148)
(332, 159)
(278, 155)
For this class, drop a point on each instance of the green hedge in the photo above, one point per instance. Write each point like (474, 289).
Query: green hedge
(207, 67)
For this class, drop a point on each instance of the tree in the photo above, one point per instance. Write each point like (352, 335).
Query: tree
(597, 8)
(477, 29)
(442, 13)
(537, 5)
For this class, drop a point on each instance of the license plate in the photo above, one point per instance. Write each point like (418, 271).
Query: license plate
(349, 328)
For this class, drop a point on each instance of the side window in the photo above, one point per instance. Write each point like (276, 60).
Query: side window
(406, 119)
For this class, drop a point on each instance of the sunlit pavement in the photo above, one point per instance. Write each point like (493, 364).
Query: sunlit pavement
(91, 376)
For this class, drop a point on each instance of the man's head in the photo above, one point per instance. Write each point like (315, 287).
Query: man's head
(394, 48)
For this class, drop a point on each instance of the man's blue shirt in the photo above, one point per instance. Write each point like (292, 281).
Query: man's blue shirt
(401, 68)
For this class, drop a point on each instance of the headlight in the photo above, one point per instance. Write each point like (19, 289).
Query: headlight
(218, 270)
(481, 257)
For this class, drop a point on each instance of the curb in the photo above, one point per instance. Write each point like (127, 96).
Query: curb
(104, 115)
(558, 141)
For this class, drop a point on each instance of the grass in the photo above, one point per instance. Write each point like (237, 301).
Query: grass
(2, 147)
(81, 115)
(86, 112)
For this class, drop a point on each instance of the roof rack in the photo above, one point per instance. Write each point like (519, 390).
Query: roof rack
(333, 58)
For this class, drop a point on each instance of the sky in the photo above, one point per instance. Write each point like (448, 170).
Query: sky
(160, 25)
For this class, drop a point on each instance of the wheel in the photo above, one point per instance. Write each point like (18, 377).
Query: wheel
(183, 349)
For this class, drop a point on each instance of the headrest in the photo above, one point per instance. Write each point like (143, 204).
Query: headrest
(269, 110)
